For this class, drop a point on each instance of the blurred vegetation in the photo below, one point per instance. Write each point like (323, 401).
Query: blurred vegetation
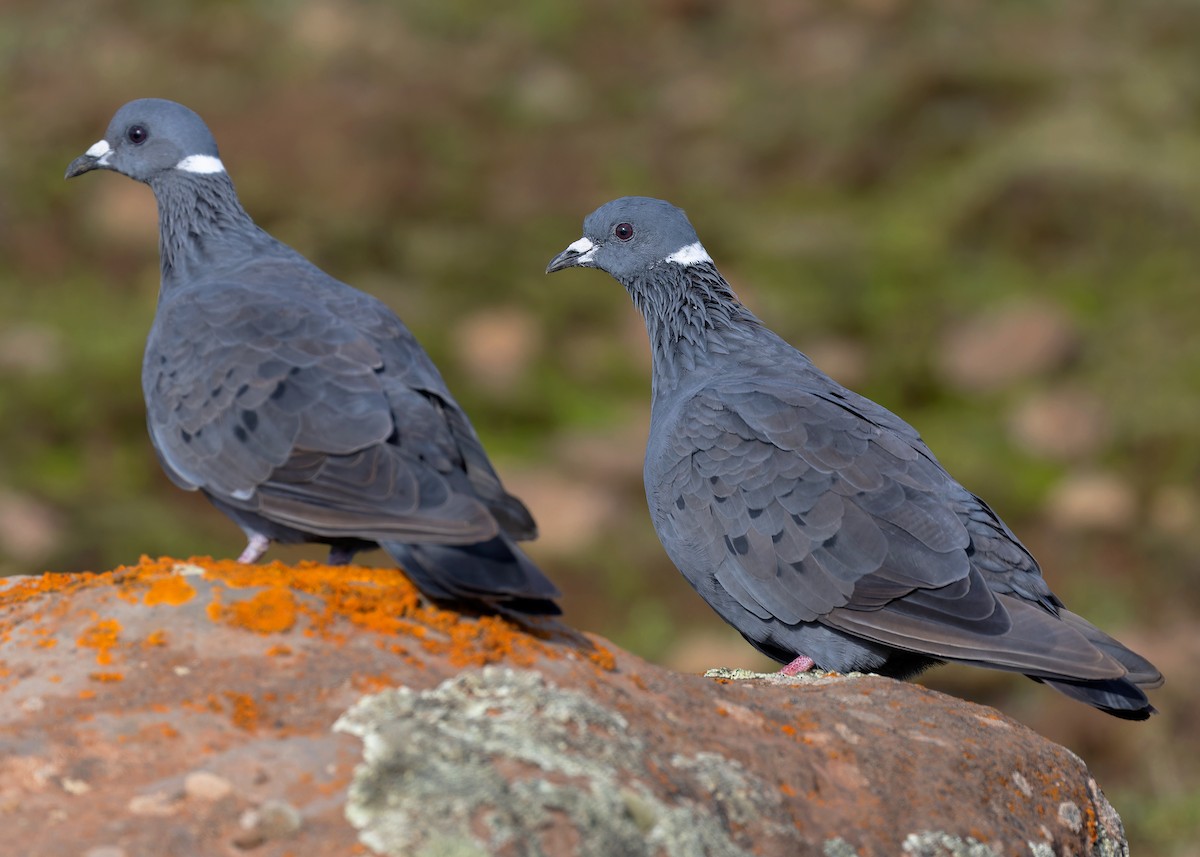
(983, 215)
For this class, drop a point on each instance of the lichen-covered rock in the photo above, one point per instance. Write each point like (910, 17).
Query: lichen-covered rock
(188, 708)
(530, 764)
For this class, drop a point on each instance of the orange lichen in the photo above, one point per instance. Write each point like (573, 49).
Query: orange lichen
(166, 730)
(32, 588)
(787, 790)
(102, 637)
(485, 641)
(383, 601)
(603, 658)
(788, 729)
(172, 589)
(245, 714)
(373, 683)
(87, 694)
(278, 651)
(322, 602)
(106, 676)
(271, 611)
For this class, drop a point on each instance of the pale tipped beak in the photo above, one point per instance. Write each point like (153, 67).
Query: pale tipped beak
(578, 255)
(95, 158)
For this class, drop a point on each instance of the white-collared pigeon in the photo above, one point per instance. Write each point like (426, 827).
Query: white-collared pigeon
(303, 408)
(815, 521)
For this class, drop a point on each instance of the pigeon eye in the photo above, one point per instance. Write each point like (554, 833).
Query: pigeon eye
(136, 135)
(623, 231)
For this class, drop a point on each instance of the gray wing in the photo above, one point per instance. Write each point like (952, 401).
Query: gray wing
(510, 513)
(282, 407)
(409, 368)
(807, 503)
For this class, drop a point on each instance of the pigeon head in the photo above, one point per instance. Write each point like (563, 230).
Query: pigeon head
(629, 236)
(149, 138)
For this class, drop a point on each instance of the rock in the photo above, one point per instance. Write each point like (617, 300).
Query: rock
(31, 350)
(844, 360)
(569, 512)
(496, 347)
(696, 650)
(29, 529)
(205, 786)
(1092, 501)
(1175, 510)
(1063, 424)
(190, 708)
(1007, 345)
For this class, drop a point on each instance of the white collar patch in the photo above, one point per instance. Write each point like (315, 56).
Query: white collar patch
(201, 164)
(692, 254)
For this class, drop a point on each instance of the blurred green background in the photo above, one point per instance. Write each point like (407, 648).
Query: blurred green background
(983, 215)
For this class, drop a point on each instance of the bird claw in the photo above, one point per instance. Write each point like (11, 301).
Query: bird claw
(801, 664)
(255, 548)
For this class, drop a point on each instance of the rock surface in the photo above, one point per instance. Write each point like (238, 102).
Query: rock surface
(189, 708)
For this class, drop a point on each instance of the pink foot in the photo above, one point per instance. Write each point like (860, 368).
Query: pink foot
(255, 548)
(802, 664)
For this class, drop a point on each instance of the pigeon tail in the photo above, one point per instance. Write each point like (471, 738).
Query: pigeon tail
(1139, 671)
(494, 576)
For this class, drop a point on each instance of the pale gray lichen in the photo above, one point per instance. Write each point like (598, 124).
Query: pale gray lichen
(1022, 784)
(838, 848)
(494, 759)
(936, 843)
(811, 677)
(1110, 832)
(741, 797)
(1070, 817)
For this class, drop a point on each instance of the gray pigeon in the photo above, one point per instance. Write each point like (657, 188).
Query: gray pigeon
(302, 408)
(815, 521)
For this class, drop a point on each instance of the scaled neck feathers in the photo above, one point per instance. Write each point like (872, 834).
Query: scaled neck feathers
(202, 226)
(692, 316)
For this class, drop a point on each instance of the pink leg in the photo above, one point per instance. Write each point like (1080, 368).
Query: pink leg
(255, 548)
(802, 664)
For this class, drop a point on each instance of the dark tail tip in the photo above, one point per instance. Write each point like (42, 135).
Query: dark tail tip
(1119, 697)
(490, 577)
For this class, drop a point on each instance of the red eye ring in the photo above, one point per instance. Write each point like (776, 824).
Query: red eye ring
(623, 231)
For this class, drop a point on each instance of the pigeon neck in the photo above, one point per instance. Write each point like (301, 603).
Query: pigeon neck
(692, 316)
(202, 225)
